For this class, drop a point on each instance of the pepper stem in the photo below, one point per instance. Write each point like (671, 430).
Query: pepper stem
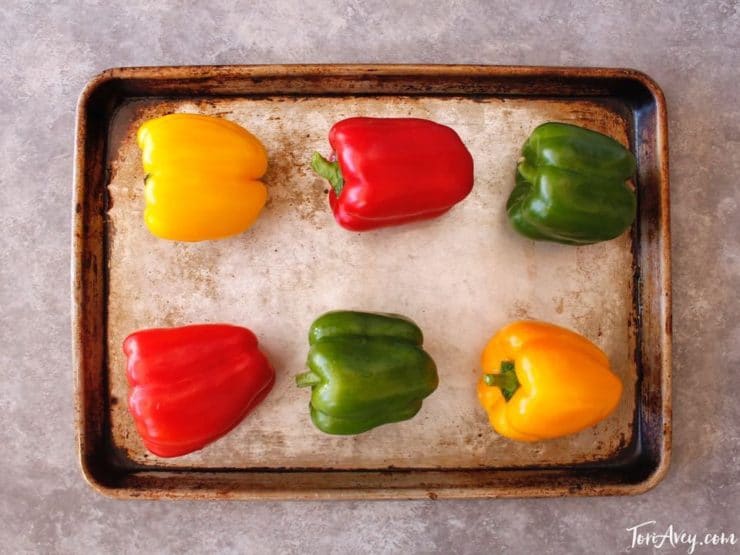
(328, 170)
(307, 379)
(505, 380)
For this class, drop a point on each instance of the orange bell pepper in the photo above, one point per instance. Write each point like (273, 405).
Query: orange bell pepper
(541, 381)
(202, 177)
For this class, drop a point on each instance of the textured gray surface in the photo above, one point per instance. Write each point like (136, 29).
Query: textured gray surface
(48, 50)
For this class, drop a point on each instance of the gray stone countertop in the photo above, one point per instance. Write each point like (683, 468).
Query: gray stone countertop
(49, 50)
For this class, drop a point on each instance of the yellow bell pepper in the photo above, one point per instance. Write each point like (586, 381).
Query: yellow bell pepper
(202, 177)
(541, 381)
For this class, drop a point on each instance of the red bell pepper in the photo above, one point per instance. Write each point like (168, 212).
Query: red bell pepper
(191, 385)
(391, 171)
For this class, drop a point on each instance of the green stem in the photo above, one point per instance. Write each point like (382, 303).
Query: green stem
(506, 379)
(328, 170)
(307, 379)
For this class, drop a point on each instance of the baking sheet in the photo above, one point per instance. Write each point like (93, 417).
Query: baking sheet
(460, 277)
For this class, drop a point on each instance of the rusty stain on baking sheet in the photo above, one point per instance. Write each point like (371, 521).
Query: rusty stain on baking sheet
(460, 277)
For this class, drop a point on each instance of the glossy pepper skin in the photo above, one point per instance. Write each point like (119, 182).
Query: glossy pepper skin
(391, 171)
(570, 186)
(202, 177)
(366, 369)
(541, 381)
(190, 385)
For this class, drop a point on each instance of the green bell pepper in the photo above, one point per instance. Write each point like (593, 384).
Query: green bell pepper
(366, 370)
(570, 186)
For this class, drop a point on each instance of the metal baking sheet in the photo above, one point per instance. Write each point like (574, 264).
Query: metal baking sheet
(460, 277)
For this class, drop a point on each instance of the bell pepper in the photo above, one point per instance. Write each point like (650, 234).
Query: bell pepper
(541, 381)
(202, 177)
(366, 370)
(390, 171)
(191, 385)
(570, 186)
